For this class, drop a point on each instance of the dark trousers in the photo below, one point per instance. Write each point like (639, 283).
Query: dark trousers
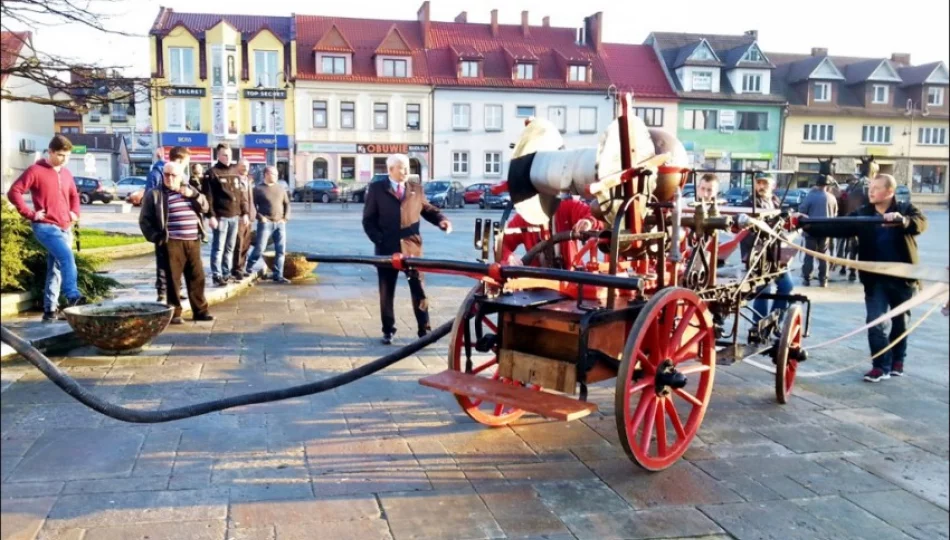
(161, 262)
(880, 296)
(387, 290)
(242, 247)
(820, 245)
(847, 249)
(183, 257)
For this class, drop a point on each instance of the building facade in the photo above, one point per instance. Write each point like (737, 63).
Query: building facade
(224, 79)
(25, 128)
(730, 118)
(848, 108)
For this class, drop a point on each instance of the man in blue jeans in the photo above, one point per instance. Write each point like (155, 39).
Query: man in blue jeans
(55, 208)
(273, 211)
(228, 208)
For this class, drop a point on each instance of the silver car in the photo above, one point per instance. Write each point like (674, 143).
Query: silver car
(129, 185)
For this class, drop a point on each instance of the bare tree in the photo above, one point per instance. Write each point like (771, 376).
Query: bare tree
(73, 84)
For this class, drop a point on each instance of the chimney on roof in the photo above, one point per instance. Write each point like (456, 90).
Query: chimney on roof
(546, 21)
(524, 23)
(462, 17)
(754, 34)
(901, 59)
(819, 51)
(494, 23)
(593, 27)
(424, 22)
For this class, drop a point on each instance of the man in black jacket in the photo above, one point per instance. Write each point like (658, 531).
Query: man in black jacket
(895, 242)
(171, 218)
(391, 221)
(227, 210)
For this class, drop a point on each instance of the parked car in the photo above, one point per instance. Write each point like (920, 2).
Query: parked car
(358, 194)
(902, 194)
(324, 191)
(490, 200)
(445, 194)
(135, 198)
(93, 189)
(473, 193)
(736, 195)
(794, 198)
(129, 184)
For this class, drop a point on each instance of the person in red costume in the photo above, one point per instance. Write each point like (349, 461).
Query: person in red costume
(571, 215)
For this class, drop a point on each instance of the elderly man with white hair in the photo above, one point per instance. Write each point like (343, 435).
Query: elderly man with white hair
(273, 210)
(171, 218)
(391, 221)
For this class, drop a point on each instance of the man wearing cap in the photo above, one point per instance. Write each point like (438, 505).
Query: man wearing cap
(765, 199)
(818, 204)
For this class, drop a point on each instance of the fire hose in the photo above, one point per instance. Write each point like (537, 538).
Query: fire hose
(73, 388)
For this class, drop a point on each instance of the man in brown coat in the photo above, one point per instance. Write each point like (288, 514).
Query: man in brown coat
(391, 221)
(243, 245)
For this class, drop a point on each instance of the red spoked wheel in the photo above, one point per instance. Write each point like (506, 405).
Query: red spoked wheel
(467, 359)
(666, 375)
(786, 363)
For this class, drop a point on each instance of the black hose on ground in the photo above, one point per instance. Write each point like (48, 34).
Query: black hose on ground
(124, 414)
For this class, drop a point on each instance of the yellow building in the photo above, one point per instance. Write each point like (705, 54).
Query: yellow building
(847, 108)
(224, 79)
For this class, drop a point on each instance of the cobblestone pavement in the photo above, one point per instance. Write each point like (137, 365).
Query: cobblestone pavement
(387, 458)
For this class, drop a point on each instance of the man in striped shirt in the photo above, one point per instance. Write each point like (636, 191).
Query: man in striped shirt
(171, 218)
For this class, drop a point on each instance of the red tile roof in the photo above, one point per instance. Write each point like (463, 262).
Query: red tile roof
(635, 68)
(197, 23)
(10, 45)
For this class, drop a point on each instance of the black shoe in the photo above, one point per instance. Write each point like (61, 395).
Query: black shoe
(160, 299)
(220, 282)
(806, 282)
(823, 284)
(238, 275)
(852, 277)
(80, 301)
(204, 317)
(177, 320)
(843, 271)
(423, 333)
(282, 280)
(50, 316)
(388, 338)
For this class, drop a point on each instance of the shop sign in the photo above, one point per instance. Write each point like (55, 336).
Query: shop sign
(326, 148)
(184, 91)
(752, 155)
(265, 93)
(391, 148)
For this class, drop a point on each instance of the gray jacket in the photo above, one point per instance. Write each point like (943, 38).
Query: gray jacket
(819, 204)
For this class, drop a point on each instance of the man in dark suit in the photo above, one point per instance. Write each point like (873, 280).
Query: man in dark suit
(391, 221)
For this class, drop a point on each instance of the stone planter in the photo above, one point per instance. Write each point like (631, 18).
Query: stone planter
(119, 327)
(296, 266)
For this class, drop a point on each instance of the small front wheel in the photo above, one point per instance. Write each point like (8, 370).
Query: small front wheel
(786, 365)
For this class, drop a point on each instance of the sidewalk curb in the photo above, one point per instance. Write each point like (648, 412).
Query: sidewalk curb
(62, 338)
(126, 251)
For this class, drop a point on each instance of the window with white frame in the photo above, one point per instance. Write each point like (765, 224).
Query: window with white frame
(822, 92)
(588, 120)
(319, 114)
(558, 116)
(935, 96)
(182, 65)
(880, 93)
(333, 65)
(524, 71)
(265, 68)
(460, 163)
(752, 83)
(347, 115)
(525, 111)
(651, 116)
(702, 80)
(381, 116)
(822, 133)
(461, 116)
(393, 67)
(468, 68)
(932, 136)
(413, 117)
(577, 74)
(267, 116)
(752, 121)
(701, 119)
(492, 163)
(183, 114)
(876, 134)
(493, 118)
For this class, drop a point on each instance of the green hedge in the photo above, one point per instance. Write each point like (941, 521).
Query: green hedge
(23, 260)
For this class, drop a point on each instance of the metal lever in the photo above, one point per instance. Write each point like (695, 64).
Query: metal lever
(486, 239)
(478, 233)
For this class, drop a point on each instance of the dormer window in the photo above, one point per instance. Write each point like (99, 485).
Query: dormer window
(881, 93)
(822, 92)
(935, 96)
(702, 53)
(333, 65)
(702, 80)
(752, 83)
(753, 55)
(524, 72)
(395, 68)
(577, 74)
(468, 69)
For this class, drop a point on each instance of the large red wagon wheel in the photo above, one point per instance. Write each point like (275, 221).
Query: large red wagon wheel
(786, 363)
(482, 364)
(666, 376)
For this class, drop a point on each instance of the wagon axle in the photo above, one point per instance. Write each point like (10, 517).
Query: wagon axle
(669, 379)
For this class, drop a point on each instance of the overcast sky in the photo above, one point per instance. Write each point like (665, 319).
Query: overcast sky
(918, 27)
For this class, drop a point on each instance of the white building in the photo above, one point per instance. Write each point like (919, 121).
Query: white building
(25, 128)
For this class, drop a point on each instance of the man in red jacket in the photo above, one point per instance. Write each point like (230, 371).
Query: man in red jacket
(571, 215)
(55, 208)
